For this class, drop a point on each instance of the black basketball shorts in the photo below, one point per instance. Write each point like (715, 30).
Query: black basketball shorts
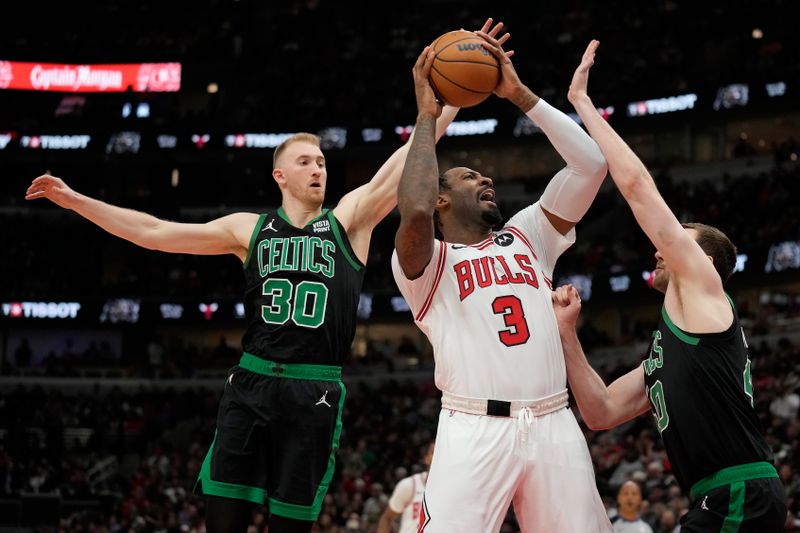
(278, 430)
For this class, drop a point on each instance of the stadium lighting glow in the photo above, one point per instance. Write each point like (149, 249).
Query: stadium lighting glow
(41, 309)
(471, 127)
(212, 88)
(657, 106)
(757, 33)
(776, 89)
(5, 138)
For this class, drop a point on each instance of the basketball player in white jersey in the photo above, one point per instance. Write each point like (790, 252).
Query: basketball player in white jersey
(483, 298)
(406, 500)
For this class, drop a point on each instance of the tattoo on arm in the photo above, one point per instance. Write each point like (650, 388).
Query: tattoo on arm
(416, 199)
(418, 183)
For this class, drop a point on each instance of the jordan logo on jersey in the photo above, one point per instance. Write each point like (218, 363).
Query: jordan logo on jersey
(483, 272)
(323, 400)
(269, 226)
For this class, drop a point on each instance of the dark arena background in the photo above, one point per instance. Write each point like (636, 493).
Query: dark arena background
(114, 357)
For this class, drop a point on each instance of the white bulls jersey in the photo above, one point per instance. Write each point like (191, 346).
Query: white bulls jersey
(406, 500)
(487, 310)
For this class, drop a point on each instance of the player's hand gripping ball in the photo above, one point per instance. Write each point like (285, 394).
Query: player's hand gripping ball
(464, 73)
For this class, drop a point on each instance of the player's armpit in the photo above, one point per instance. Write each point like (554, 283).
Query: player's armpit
(559, 224)
(673, 242)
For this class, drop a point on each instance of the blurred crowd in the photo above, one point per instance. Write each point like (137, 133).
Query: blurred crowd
(350, 62)
(133, 455)
(609, 241)
(185, 357)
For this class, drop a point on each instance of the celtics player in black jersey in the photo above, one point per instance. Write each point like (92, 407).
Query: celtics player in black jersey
(279, 418)
(696, 379)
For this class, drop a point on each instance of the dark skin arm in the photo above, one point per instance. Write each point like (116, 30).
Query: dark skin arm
(419, 183)
(418, 191)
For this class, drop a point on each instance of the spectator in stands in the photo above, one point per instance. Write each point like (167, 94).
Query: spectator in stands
(629, 505)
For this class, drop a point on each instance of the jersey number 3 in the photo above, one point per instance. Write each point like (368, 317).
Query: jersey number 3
(304, 303)
(514, 317)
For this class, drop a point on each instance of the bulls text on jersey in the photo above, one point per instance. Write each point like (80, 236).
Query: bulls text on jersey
(483, 272)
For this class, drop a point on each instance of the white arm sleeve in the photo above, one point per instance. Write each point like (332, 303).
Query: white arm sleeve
(571, 191)
(402, 495)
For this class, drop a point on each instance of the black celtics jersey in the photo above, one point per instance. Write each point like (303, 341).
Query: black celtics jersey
(302, 291)
(702, 398)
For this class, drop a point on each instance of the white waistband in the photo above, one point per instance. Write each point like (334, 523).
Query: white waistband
(476, 406)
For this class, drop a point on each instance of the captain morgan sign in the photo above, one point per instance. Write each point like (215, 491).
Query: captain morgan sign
(138, 77)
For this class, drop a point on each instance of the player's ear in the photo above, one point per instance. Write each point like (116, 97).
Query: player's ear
(278, 176)
(442, 201)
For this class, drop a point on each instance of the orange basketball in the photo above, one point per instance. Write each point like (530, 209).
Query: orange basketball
(464, 73)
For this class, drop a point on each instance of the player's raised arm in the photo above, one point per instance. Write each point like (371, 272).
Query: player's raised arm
(685, 257)
(419, 182)
(363, 208)
(227, 235)
(570, 193)
(601, 406)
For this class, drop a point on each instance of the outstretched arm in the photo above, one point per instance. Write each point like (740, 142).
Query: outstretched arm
(601, 407)
(570, 192)
(419, 182)
(688, 264)
(226, 235)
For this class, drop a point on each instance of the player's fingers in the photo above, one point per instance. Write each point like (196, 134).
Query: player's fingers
(588, 55)
(487, 24)
(574, 295)
(422, 56)
(554, 296)
(40, 185)
(510, 53)
(497, 52)
(494, 31)
(428, 62)
(560, 296)
(563, 291)
(35, 195)
(565, 298)
(486, 37)
(503, 38)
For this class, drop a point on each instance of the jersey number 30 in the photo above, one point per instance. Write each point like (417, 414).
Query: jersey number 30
(305, 303)
(514, 317)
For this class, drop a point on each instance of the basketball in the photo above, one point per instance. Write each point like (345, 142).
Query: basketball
(464, 73)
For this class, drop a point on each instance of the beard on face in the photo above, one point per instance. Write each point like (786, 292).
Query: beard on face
(492, 216)
(661, 281)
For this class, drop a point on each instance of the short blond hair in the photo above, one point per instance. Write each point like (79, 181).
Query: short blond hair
(716, 244)
(297, 137)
